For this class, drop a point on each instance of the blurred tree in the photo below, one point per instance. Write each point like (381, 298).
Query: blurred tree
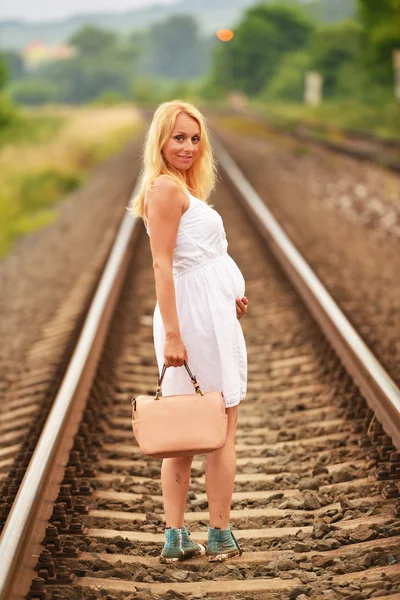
(15, 64)
(9, 113)
(381, 21)
(262, 38)
(144, 89)
(333, 48)
(330, 11)
(33, 91)
(174, 49)
(4, 71)
(220, 77)
(92, 41)
(109, 98)
(82, 80)
(103, 63)
(288, 81)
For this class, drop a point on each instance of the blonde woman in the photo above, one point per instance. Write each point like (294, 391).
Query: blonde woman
(200, 299)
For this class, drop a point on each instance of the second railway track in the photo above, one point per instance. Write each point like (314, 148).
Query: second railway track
(315, 506)
(381, 151)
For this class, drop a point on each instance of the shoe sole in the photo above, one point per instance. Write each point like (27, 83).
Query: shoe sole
(200, 552)
(170, 560)
(223, 556)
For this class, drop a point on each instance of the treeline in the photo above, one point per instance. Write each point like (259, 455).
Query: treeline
(112, 67)
(275, 45)
(9, 113)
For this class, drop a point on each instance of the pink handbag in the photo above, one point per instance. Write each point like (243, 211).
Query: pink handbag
(169, 426)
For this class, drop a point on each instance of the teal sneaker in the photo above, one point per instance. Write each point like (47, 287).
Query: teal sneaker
(222, 544)
(178, 546)
(190, 547)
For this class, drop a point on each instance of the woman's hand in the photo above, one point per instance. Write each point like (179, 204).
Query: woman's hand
(174, 351)
(241, 306)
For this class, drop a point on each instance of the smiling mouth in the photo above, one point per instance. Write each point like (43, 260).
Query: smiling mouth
(185, 157)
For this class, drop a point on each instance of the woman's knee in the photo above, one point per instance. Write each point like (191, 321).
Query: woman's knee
(179, 463)
(232, 414)
(230, 437)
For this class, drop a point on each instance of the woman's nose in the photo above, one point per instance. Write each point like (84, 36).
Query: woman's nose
(189, 146)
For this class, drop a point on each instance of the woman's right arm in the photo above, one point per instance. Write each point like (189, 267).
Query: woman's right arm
(164, 210)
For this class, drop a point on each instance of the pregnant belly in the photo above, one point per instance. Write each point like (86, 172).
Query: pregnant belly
(238, 281)
(219, 278)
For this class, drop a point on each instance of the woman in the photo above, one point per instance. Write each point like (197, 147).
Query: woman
(200, 299)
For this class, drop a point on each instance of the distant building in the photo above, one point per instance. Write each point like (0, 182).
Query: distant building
(36, 53)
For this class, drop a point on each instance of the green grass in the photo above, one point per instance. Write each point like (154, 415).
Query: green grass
(41, 189)
(25, 129)
(44, 157)
(335, 118)
(29, 202)
(23, 224)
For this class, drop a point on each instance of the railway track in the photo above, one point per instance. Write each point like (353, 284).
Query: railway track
(71, 268)
(316, 502)
(370, 148)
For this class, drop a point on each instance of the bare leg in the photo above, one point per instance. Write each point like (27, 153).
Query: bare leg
(175, 479)
(220, 475)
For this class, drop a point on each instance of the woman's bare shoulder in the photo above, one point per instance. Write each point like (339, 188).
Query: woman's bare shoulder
(165, 184)
(165, 194)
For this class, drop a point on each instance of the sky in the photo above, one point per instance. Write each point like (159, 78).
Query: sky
(47, 10)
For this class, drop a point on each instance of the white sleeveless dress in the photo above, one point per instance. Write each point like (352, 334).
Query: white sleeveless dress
(207, 283)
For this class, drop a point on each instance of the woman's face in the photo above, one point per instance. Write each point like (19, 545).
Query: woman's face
(183, 145)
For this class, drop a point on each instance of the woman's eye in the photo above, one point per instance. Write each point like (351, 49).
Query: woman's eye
(194, 139)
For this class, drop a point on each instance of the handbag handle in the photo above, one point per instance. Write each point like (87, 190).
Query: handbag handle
(192, 377)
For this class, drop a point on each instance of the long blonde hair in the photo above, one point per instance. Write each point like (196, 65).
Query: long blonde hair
(200, 178)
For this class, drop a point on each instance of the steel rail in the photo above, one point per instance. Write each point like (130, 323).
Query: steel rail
(378, 388)
(300, 133)
(20, 543)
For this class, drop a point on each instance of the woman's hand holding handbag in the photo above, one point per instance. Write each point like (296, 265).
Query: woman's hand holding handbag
(185, 425)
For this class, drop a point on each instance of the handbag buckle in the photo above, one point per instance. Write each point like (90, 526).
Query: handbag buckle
(192, 377)
(197, 388)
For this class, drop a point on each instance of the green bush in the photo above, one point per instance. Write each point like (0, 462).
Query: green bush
(336, 52)
(109, 98)
(148, 90)
(9, 113)
(209, 89)
(22, 129)
(288, 82)
(27, 202)
(154, 90)
(33, 91)
(29, 194)
(44, 188)
(4, 71)
(25, 224)
(14, 223)
(381, 119)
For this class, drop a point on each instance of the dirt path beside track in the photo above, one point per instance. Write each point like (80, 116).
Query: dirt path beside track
(344, 217)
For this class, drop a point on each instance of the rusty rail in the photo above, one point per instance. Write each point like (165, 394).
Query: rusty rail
(20, 543)
(25, 527)
(380, 391)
